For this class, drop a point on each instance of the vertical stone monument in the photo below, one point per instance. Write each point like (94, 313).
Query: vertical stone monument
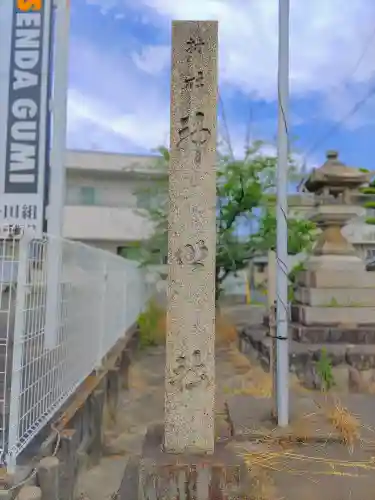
(180, 459)
(190, 366)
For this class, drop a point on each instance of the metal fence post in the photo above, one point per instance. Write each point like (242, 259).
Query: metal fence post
(19, 330)
(103, 312)
(125, 300)
(54, 259)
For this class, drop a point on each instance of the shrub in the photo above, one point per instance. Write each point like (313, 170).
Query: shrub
(368, 190)
(324, 370)
(151, 324)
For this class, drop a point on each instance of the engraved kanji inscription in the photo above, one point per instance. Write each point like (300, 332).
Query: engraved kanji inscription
(191, 82)
(197, 215)
(193, 128)
(194, 44)
(194, 254)
(197, 157)
(188, 373)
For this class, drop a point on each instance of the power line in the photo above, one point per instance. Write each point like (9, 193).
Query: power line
(355, 108)
(363, 54)
(226, 128)
(338, 124)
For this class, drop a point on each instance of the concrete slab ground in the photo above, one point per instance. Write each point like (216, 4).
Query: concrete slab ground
(251, 419)
(324, 472)
(272, 469)
(308, 471)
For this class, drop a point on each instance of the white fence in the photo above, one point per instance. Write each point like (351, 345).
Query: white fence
(55, 332)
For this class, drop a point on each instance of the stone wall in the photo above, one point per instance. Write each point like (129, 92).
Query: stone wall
(353, 365)
(75, 440)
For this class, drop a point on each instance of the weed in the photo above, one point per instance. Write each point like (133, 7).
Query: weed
(324, 370)
(292, 279)
(333, 302)
(150, 325)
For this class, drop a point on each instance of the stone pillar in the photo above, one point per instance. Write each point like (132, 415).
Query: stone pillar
(190, 365)
(29, 493)
(48, 478)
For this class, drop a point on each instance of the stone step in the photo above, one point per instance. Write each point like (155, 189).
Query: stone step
(335, 316)
(336, 278)
(300, 354)
(349, 362)
(333, 334)
(341, 297)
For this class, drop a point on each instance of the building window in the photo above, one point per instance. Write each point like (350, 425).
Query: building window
(131, 252)
(87, 195)
(143, 201)
(160, 257)
(148, 201)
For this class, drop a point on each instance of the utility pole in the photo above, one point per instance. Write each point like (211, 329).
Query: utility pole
(56, 196)
(282, 347)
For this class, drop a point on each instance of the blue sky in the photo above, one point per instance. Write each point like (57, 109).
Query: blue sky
(120, 62)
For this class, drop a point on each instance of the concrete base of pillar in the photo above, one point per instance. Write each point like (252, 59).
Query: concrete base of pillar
(163, 476)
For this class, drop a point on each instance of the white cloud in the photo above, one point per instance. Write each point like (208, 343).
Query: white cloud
(152, 59)
(327, 38)
(110, 105)
(92, 123)
(121, 100)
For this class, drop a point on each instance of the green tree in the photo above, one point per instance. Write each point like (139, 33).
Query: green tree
(370, 205)
(301, 233)
(245, 192)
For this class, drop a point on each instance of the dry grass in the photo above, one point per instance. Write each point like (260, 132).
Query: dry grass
(267, 459)
(347, 424)
(238, 360)
(137, 380)
(262, 486)
(226, 332)
(275, 456)
(258, 460)
(272, 456)
(255, 382)
(251, 379)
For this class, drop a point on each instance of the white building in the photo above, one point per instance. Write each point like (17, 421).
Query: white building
(104, 203)
(360, 234)
(104, 198)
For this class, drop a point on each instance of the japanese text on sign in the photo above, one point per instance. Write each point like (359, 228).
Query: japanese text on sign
(24, 212)
(29, 5)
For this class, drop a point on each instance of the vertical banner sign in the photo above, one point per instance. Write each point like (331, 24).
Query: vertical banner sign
(25, 63)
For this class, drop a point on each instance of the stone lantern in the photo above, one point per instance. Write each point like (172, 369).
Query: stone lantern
(334, 300)
(334, 289)
(333, 184)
